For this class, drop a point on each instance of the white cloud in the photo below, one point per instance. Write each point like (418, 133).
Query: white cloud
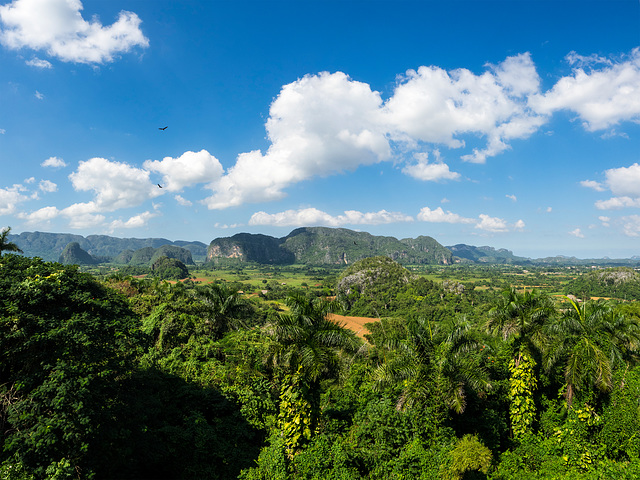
(2, 131)
(57, 27)
(313, 216)
(601, 98)
(492, 224)
(189, 169)
(48, 186)
(624, 181)
(631, 225)
(38, 95)
(319, 125)
(593, 184)
(116, 185)
(423, 170)
(512, 197)
(136, 221)
(82, 215)
(617, 202)
(54, 162)
(10, 197)
(39, 63)
(182, 201)
(549, 209)
(519, 225)
(577, 233)
(436, 106)
(40, 217)
(439, 216)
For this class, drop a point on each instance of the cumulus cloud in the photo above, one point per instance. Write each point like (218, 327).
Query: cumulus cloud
(436, 106)
(577, 233)
(313, 216)
(39, 63)
(48, 186)
(54, 162)
(57, 27)
(318, 125)
(188, 169)
(492, 224)
(182, 201)
(115, 185)
(325, 124)
(439, 216)
(601, 98)
(631, 225)
(593, 184)
(136, 221)
(623, 182)
(10, 197)
(40, 217)
(435, 171)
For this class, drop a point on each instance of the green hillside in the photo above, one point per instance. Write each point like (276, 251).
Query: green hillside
(327, 246)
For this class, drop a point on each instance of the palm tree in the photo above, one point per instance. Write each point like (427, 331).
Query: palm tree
(5, 245)
(309, 347)
(590, 341)
(445, 353)
(520, 319)
(306, 338)
(223, 307)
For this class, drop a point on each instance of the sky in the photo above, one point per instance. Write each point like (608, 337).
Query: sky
(512, 124)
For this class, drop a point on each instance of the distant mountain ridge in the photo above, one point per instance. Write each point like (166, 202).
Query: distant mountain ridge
(313, 245)
(327, 246)
(49, 246)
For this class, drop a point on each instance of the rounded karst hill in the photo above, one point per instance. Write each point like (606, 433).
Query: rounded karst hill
(369, 283)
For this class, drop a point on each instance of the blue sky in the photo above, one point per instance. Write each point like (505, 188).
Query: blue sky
(510, 124)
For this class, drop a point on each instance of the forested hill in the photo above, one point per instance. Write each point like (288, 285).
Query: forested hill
(49, 246)
(322, 245)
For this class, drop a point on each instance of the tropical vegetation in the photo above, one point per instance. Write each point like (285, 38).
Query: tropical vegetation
(116, 376)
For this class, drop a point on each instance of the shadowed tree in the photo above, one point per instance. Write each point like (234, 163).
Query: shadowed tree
(5, 244)
(590, 341)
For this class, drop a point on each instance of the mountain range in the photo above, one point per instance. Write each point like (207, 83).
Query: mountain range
(307, 245)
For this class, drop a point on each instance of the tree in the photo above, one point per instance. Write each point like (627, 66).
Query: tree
(224, 309)
(591, 340)
(520, 319)
(66, 345)
(307, 345)
(424, 353)
(5, 244)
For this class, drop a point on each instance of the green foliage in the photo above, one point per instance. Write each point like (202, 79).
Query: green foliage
(66, 343)
(295, 417)
(468, 455)
(5, 244)
(166, 268)
(621, 282)
(522, 383)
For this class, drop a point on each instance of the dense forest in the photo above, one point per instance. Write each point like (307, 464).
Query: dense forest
(118, 377)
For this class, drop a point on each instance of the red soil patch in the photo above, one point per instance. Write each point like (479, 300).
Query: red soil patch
(353, 323)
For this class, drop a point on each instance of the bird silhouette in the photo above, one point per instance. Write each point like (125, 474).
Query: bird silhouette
(159, 186)
(162, 128)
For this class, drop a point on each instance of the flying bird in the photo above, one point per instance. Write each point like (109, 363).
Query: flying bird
(162, 128)
(159, 186)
